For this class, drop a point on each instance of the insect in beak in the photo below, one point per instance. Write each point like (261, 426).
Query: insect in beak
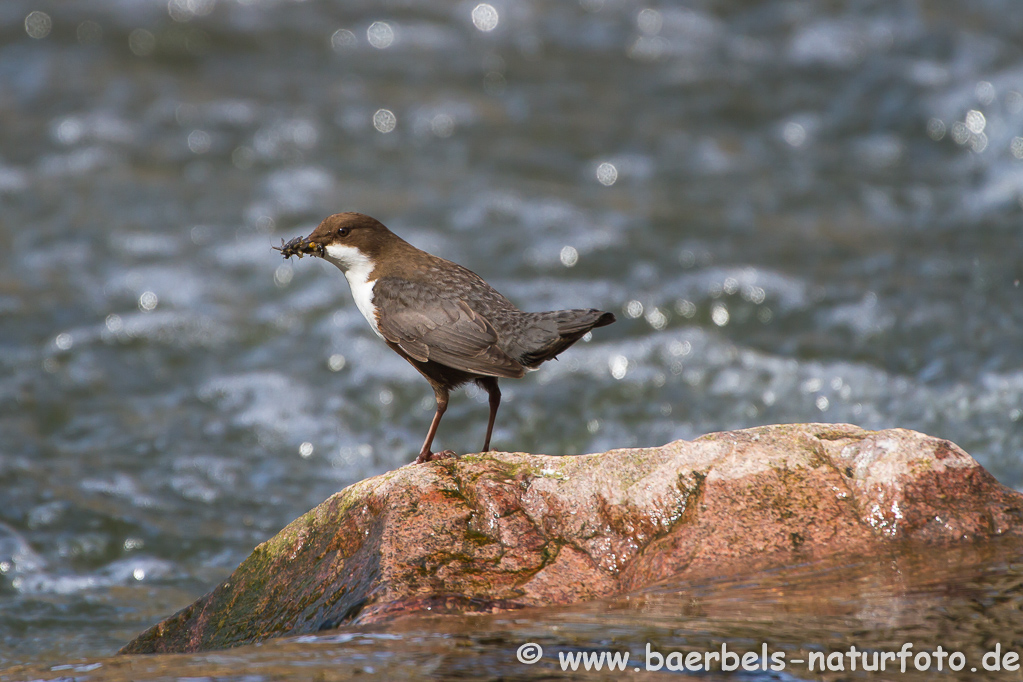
(299, 246)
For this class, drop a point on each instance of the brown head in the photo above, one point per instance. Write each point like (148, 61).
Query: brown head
(348, 240)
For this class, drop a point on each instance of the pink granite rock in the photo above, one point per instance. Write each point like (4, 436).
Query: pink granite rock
(502, 531)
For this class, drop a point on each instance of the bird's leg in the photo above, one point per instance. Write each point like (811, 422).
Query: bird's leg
(442, 405)
(494, 391)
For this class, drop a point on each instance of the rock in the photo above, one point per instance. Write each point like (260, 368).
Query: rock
(502, 531)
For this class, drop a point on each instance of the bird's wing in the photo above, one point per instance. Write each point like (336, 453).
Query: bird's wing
(441, 330)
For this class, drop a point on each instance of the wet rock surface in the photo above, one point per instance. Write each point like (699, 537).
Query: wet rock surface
(509, 530)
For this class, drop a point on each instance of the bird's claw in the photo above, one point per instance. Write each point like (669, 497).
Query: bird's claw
(435, 456)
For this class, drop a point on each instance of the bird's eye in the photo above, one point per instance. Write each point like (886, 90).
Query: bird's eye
(342, 232)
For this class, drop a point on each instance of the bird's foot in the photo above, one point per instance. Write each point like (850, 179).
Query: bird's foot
(435, 456)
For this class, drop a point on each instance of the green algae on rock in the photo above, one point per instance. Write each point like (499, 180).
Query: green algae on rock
(500, 531)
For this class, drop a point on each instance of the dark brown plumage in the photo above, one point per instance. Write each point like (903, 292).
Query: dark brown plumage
(442, 318)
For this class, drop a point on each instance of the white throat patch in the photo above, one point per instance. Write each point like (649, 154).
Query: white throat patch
(357, 268)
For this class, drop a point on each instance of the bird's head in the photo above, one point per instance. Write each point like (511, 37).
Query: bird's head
(345, 239)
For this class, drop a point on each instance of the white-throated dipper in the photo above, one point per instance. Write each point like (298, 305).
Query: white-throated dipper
(444, 319)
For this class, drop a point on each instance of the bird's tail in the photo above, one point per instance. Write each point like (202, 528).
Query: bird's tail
(570, 325)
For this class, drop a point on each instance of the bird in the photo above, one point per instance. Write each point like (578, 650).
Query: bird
(444, 319)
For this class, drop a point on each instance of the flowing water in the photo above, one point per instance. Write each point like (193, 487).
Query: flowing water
(811, 620)
(799, 211)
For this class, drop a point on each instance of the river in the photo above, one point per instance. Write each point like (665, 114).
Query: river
(799, 212)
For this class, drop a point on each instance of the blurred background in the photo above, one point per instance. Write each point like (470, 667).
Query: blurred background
(799, 211)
